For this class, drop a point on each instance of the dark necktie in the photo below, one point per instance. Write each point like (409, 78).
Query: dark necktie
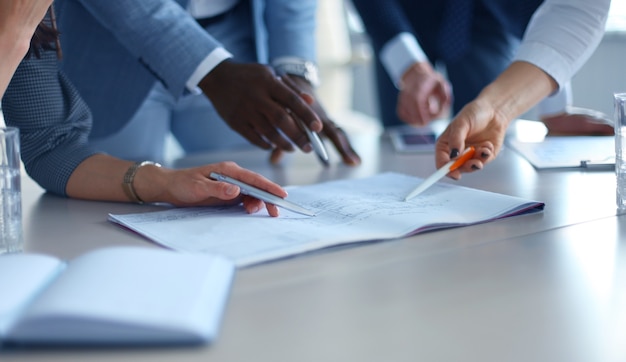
(455, 29)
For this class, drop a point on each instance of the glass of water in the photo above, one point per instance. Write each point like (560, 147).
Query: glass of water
(11, 238)
(620, 148)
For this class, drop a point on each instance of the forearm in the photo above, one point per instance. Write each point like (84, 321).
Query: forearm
(562, 35)
(98, 177)
(13, 50)
(18, 21)
(517, 89)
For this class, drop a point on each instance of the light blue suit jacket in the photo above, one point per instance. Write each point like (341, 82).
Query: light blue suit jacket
(114, 51)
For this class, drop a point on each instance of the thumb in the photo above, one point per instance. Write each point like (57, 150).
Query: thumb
(276, 156)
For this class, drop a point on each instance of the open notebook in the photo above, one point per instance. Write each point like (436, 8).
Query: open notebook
(348, 211)
(113, 296)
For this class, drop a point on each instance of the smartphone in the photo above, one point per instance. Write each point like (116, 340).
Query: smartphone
(411, 140)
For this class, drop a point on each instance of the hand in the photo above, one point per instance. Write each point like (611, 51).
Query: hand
(482, 123)
(193, 187)
(425, 95)
(479, 125)
(334, 133)
(578, 122)
(99, 177)
(257, 104)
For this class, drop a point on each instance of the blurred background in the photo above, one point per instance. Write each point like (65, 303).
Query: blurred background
(348, 89)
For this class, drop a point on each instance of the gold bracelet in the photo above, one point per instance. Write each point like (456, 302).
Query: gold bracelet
(129, 177)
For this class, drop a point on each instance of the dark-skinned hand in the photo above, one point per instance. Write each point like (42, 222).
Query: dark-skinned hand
(256, 103)
(334, 133)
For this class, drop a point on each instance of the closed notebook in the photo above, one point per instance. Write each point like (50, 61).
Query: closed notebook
(111, 296)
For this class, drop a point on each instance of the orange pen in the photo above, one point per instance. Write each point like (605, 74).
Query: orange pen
(440, 173)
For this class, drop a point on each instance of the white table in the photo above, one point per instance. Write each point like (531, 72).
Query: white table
(540, 287)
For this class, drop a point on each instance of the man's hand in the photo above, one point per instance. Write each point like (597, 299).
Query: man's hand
(578, 122)
(257, 104)
(424, 95)
(334, 133)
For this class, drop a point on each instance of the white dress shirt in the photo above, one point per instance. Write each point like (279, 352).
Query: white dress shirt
(559, 39)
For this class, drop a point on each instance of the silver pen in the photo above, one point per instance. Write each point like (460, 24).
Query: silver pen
(314, 138)
(262, 195)
(316, 142)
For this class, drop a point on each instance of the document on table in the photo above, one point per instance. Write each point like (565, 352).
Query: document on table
(348, 211)
(593, 152)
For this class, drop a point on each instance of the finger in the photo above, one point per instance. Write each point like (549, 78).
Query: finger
(275, 156)
(272, 209)
(408, 109)
(277, 118)
(254, 137)
(486, 152)
(300, 137)
(341, 142)
(251, 178)
(308, 98)
(426, 101)
(289, 99)
(221, 190)
(434, 106)
(252, 205)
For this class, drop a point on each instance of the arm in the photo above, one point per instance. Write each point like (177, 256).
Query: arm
(99, 177)
(291, 39)
(483, 122)
(164, 37)
(54, 126)
(560, 38)
(424, 93)
(18, 20)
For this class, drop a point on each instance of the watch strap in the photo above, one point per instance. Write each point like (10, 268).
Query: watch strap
(129, 177)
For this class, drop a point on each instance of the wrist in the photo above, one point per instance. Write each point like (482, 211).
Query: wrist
(15, 45)
(416, 70)
(521, 86)
(143, 182)
(210, 82)
(302, 68)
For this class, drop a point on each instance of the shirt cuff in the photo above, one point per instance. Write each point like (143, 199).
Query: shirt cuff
(547, 59)
(399, 53)
(556, 103)
(214, 58)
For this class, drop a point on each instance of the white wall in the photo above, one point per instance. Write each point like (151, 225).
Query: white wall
(604, 74)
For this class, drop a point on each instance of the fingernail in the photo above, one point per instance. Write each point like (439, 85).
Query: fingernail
(454, 153)
(254, 210)
(232, 190)
(307, 148)
(474, 167)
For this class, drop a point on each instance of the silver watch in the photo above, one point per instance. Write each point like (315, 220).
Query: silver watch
(304, 69)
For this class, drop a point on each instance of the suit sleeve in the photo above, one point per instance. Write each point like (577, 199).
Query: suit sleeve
(54, 121)
(290, 28)
(383, 20)
(151, 30)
